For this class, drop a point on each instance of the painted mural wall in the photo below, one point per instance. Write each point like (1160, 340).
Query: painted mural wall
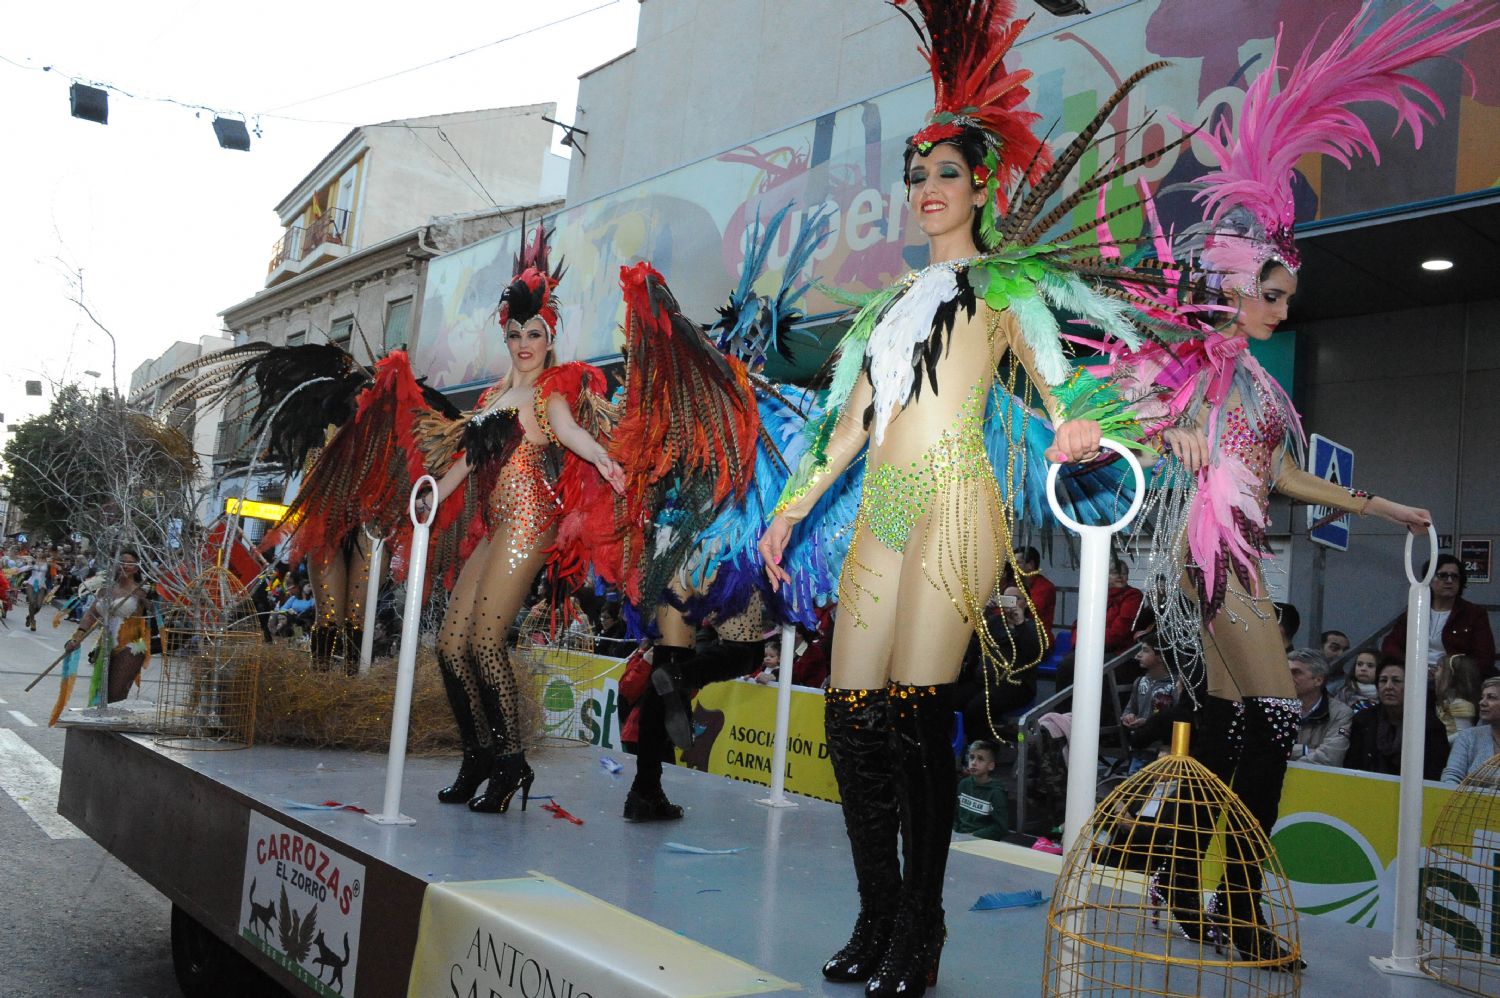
(691, 222)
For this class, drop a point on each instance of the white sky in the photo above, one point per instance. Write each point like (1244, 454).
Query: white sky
(167, 228)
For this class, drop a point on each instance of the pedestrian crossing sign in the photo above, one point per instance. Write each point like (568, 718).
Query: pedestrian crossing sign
(1335, 463)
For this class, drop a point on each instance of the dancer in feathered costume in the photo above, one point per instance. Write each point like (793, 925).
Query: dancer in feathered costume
(1231, 431)
(529, 448)
(119, 612)
(947, 468)
(697, 562)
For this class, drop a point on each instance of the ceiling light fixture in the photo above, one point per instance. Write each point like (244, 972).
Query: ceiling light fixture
(1437, 264)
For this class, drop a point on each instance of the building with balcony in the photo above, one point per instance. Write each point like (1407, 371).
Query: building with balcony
(358, 230)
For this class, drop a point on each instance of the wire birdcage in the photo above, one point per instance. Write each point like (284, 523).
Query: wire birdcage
(1172, 889)
(560, 659)
(208, 688)
(1460, 887)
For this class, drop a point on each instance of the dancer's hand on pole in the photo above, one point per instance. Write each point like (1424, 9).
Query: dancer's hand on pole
(1190, 446)
(772, 546)
(1075, 440)
(1413, 518)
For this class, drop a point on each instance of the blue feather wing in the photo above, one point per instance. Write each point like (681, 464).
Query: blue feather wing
(1017, 439)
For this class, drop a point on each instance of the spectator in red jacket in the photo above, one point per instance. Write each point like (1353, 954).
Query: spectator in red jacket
(1121, 612)
(1455, 626)
(1039, 588)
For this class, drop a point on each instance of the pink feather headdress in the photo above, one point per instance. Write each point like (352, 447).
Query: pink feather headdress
(1248, 199)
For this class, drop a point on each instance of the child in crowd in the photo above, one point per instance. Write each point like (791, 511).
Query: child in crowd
(1455, 685)
(1359, 691)
(983, 808)
(1154, 692)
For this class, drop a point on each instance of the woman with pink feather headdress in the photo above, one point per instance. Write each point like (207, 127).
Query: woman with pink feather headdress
(1233, 435)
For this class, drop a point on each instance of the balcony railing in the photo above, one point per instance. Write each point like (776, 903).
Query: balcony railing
(298, 244)
(288, 248)
(327, 229)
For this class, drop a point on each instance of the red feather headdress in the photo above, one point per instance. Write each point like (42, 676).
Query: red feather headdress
(965, 43)
(531, 291)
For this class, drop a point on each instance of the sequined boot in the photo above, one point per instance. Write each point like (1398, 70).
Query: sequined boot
(320, 644)
(927, 791)
(354, 639)
(858, 728)
(1270, 730)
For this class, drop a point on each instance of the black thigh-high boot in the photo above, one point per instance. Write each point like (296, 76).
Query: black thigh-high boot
(509, 771)
(320, 643)
(683, 672)
(927, 793)
(477, 757)
(647, 801)
(859, 747)
(1270, 730)
(354, 639)
(1218, 735)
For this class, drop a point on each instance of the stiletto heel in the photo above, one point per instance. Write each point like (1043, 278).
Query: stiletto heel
(509, 775)
(527, 779)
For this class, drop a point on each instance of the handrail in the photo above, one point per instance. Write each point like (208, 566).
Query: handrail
(1371, 642)
(1026, 726)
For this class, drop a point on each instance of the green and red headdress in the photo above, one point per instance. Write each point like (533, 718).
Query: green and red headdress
(977, 103)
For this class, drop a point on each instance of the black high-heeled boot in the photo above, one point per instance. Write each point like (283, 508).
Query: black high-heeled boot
(508, 774)
(927, 793)
(679, 671)
(477, 759)
(320, 644)
(354, 639)
(1270, 729)
(647, 801)
(858, 728)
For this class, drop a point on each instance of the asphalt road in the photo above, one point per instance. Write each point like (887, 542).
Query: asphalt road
(74, 920)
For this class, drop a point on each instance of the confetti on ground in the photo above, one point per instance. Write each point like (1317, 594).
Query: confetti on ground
(557, 811)
(610, 766)
(327, 805)
(700, 851)
(1012, 899)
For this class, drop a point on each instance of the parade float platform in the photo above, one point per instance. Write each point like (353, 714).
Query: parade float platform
(530, 903)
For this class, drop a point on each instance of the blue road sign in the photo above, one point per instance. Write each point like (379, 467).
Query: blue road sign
(1333, 462)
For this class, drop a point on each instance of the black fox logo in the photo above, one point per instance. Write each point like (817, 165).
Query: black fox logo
(260, 914)
(328, 958)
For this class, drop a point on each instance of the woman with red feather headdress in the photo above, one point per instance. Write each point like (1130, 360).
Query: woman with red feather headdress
(525, 454)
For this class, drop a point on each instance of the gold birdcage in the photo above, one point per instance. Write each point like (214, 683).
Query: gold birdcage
(1460, 887)
(556, 647)
(1172, 889)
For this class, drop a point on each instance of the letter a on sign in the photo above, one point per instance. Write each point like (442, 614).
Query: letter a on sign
(1334, 463)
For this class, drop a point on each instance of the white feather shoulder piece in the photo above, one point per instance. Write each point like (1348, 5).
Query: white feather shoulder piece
(905, 325)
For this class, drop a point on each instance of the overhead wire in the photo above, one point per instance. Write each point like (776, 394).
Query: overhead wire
(257, 116)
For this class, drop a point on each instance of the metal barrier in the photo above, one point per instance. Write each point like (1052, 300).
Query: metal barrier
(1027, 725)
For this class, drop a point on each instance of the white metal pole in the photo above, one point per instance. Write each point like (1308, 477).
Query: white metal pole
(372, 597)
(1088, 646)
(1404, 957)
(778, 796)
(406, 662)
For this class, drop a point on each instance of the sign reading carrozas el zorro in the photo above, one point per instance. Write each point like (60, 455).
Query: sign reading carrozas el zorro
(301, 904)
(691, 221)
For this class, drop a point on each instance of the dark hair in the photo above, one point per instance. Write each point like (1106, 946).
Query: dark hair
(140, 573)
(1290, 619)
(971, 145)
(1029, 555)
(1448, 559)
(1323, 638)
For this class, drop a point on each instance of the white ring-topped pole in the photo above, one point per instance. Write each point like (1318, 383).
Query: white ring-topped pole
(372, 597)
(406, 662)
(1088, 643)
(1404, 958)
(778, 796)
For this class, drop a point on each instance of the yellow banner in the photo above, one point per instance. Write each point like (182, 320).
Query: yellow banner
(254, 509)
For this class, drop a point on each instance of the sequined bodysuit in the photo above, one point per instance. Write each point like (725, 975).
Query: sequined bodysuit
(524, 500)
